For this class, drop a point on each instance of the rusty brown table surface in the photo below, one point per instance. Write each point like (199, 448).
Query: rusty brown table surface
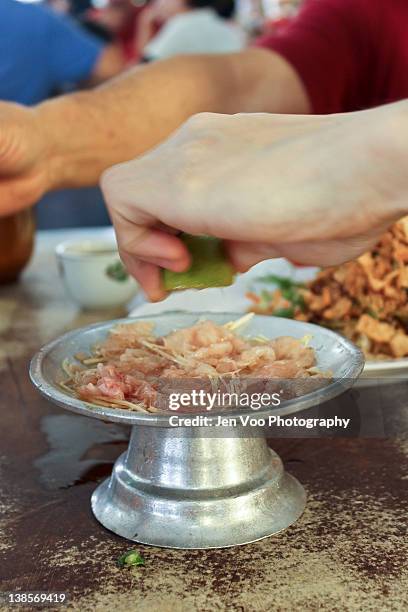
(347, 552)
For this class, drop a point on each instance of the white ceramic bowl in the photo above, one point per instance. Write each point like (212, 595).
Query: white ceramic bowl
(93, 274)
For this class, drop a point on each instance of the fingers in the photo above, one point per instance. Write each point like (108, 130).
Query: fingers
(143, 243)
(145, 257)
(146, 243)
(153, 246)
(244, 255)
(327, 252)
(148, 276)
(144, 250)
(18, 194)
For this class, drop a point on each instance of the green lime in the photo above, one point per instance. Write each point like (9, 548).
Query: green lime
(209, 267)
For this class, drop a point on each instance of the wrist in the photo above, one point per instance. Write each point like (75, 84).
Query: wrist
(389, 154)
(400, 136)
(67, 146)
(49, 118)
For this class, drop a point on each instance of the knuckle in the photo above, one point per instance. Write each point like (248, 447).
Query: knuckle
(188, 180)
(110, 178)
(201, 120)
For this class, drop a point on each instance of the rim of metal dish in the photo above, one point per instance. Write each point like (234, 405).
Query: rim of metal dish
(53, 393)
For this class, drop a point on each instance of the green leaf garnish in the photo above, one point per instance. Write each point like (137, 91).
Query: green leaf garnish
(372, 313)
(266, 297)
(286, 313)
(117, 272)
(280, 281)
(294, 297)
(288, 288)
(131, 558)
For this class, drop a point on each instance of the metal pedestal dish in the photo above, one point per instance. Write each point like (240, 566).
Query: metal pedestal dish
(198, 487)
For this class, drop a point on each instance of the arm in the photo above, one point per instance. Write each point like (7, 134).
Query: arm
(76, 55)
(69, 141)
(123, 119)
(318, 190)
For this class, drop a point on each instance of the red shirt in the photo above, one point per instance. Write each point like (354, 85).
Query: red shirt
(350, 54)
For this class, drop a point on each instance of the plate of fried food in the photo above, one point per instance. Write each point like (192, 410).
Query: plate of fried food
(366, 300)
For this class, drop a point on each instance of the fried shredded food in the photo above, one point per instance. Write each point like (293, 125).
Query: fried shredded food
(366, 299)
(131, 367)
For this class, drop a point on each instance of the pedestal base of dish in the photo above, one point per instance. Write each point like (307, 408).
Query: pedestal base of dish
(183, 489)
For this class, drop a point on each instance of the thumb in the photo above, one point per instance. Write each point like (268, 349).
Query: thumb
(17, 194)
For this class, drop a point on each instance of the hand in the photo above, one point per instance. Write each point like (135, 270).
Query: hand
(317, 190)
(25, 167)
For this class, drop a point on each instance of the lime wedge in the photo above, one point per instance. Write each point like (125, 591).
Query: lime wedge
(209, 267)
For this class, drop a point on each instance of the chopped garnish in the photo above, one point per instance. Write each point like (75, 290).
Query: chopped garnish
(286, 313)
(280, 281)
(242, 321)
(117, 272)
(131, 558)
(372, 313)
(288, 288)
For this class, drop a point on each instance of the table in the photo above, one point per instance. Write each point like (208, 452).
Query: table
(347, 552)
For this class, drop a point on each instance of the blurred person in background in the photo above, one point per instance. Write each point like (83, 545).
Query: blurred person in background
(279, 14)
(81, 13)
(250, 15)
(122, 18)
(42, 52)
(59, 6)
(78, 8)
(261, 16)
(188, 26)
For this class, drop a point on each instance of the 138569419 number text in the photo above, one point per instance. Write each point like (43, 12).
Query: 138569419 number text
(35, 598)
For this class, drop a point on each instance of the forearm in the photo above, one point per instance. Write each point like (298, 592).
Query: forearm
(89, 131)
(92, 130)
